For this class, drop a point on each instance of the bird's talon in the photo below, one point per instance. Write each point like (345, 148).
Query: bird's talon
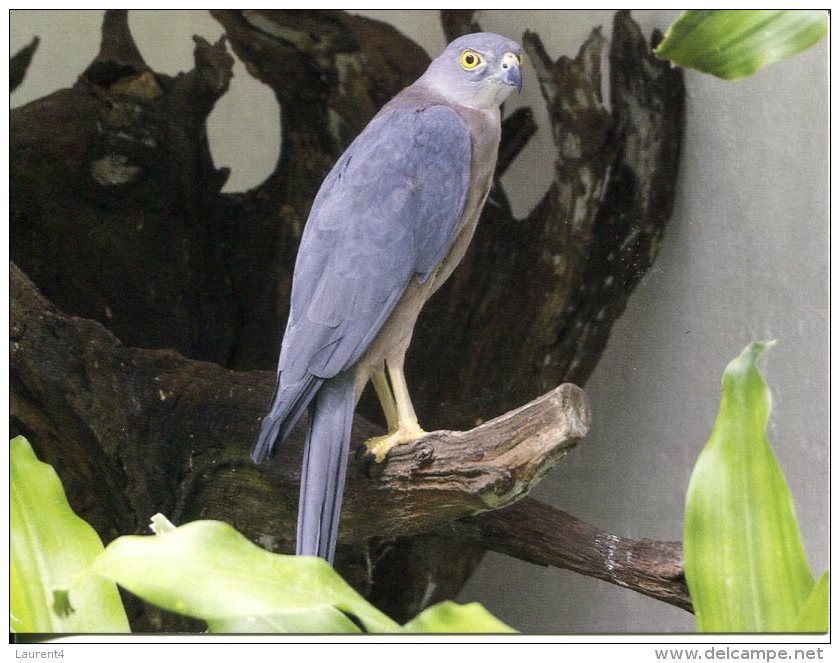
(374, 451)
(365, 461)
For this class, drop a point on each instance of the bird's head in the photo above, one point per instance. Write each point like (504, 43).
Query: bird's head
(478, 70)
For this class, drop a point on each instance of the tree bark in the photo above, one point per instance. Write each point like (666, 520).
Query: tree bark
(183, 428)
(117, 216)
(540, 534)
(19, 63)
(175, 418)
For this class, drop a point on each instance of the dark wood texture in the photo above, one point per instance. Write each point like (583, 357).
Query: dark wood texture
(540, 534)
(19, 63)
(175, 420)
(165, 446)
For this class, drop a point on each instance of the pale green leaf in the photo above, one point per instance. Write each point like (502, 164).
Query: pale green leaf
(317, 620)
(732, 44)
(449, 617)
(49, 547)
(744, 559)
(813, 618)
(208, 570)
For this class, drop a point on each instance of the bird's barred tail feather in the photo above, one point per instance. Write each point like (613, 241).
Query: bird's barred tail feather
(325, 466)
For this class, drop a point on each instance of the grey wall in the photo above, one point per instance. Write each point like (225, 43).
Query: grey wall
(745, 258)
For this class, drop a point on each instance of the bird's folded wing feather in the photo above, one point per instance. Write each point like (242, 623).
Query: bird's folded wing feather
(386, 213)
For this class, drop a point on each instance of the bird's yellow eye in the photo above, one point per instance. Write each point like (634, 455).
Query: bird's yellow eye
(519, 59)
(470, 59)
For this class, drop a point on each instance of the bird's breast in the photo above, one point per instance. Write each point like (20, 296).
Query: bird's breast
(393, 339)
(485, 133)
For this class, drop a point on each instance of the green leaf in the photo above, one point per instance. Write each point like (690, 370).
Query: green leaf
(49, 547)
(317, 620)
(744, 559)
(449, 617)
(813, 618)
(208, 570)
(732, 44)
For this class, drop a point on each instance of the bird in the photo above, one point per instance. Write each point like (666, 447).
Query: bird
(389, 224)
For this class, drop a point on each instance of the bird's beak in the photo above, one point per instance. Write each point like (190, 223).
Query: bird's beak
(511, 71)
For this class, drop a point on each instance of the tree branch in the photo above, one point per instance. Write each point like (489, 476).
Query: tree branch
(517, 129)
(19, 63)
(118, 55)
(117, 394)
(97, 409)
(540, 534)
(457, 22)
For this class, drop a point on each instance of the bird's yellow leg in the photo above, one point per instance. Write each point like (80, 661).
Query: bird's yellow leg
(407, 419)
(406, 428)
(386, 398)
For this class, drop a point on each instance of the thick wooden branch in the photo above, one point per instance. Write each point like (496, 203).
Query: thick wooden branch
(85, 399)
(96, 409)
(628, 203)
(446, 473)
(540, 534)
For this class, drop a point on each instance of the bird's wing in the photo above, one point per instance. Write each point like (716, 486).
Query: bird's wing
(387, 213)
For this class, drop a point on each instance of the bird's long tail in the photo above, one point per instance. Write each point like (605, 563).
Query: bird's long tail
(325, 466)
(287, 406)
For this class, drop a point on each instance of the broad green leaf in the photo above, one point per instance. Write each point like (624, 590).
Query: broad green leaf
(449, 617)
(744, 559)
(49, 547)
(208, 570)
(732, 44)
(318, 620)
(813, 618)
